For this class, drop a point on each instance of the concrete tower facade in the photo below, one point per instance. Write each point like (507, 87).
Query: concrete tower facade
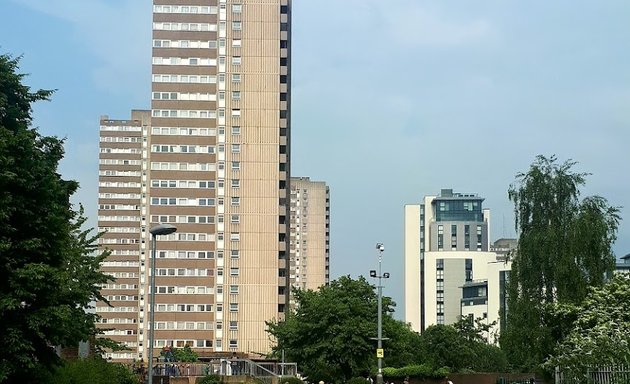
(310, 234)
(214, 162)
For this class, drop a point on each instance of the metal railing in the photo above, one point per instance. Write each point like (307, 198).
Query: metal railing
(595, 375)
(226, 367)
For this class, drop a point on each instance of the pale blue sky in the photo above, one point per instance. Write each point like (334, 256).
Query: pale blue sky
(392, 100)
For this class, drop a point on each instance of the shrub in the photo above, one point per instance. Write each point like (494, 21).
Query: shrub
(418, 371)
(210, 379)
(357, 380)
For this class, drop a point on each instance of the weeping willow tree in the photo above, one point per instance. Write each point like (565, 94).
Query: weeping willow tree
(564, 247)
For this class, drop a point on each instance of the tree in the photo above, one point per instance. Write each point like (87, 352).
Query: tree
(600, 335)
(564, 247)
(445, 347)
(329, 335)
(49, 273)
(93, 370)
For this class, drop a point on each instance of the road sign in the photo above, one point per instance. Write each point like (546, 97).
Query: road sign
(380, 353)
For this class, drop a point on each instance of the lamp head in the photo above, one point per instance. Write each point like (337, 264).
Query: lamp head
(163, 229)
(373, 273)
(380, 247)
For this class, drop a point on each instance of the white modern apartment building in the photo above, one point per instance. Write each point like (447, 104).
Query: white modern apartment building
(451, 269)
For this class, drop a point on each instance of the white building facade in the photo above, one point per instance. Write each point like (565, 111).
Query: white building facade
(451, 269)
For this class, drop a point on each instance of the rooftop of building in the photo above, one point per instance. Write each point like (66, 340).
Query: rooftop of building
(449, 194)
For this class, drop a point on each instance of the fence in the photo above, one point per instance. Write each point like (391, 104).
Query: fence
(595, 375)
(227, 367)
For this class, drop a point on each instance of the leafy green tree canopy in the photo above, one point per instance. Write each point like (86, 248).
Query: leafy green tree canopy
(564, 247)
(600, 335)
(330, 334)
(49, 276)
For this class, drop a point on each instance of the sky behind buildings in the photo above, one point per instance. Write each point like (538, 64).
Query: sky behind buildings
(392, 100)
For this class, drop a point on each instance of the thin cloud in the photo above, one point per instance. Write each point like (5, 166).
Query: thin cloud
(116, 32)
(413, 25)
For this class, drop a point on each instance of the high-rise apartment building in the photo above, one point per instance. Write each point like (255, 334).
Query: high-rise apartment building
(309, 247)
(449, 264)
(214, 162)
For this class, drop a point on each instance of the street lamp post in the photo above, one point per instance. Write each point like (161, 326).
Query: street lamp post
(158, 230)
(379, 352)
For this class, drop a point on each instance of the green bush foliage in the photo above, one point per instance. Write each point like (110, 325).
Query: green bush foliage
(291, 380)
(417, 371)
(357, 380)
(92, 371)
(210, 379)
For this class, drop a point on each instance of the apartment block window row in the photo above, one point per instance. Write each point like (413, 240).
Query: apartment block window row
(201, 61)
(184, 308)
(185, 96)
(184, 290)
(120, 332)
(121, 151)
(183, 343)
(121, 298)
(119, 195)
(184, 113)
(119, 286)
(119, 218)
(120, 264)
(120, 139)
(183, 272)
(120, 128)
(166, 148)
(119, 173)
(184, 325)
(191, 184)
(184, 44)
(118, 241)
(119, 229)
(119, 162)
(188, 9)
(119, 207)
(117, 320)
(182, 201)
(186, 254)
(122, 275)
(183, 219)
(183, 131)
(176, 166)
(185, 79)
(124, 252)
(203, 27)
(116, 309)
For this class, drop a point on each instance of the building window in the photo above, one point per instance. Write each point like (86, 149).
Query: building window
(234, 271)
(235, 219)
(236, 183)
(236, 25)
(236, 165)
(237, 8)
(233, 327)
(235, 254)
(236, 77)
(235, 201)
(233, 289)
(236, 95)
(233, 307)
(236, 130)
(236, 60)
